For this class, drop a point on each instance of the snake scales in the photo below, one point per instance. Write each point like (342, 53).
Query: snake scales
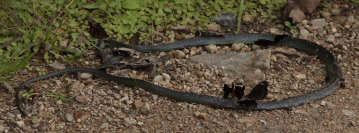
(333, 71)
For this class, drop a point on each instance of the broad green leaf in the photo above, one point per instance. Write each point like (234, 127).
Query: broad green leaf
(262, 1)
(93, 6)
(13, 3)
(130, 4)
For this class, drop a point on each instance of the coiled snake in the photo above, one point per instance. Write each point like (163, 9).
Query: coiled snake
(333, 71)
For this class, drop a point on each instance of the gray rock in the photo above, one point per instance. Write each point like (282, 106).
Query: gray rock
(129, 121)
(9, 115)
(238, 46)
(329, 104)
(326, 15)
(2, 128)
(69, 117)
(276, 31)
(330, 39)
(126, 98)
(166, 76)
(263, 121)
(240, 65)
(158, 78)
(108, 118)
(82, 98)
(57, 66)
(294, 86)
(255, 47)
(304, 22)
(211, 48)
(104, 125)
(145, 109)
(44, 114)
(85, 75)
(20, 123)
(304, 33)
(76, 87)
(349, 113)
(322, 103)
(335, 11)
(334, 30)
(318, 23)
(300, 76)
(177, 54)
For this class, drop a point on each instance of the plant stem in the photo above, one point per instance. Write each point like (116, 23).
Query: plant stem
(241, 9)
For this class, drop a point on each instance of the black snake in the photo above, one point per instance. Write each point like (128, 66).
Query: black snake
(333, 81)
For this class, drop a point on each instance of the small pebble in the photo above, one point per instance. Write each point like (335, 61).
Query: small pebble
(145, 109)
(335, 11)
(104, 125)
(9, 115)
(304, 22)
(212, 27)
(166, 76)
(318, 23)
(300, 76)
(108, 118)
(275, 31)
(44, 114)
(69, 117)
(158, 78)
(129, 121)
(247, 18)
(211, 48)
(322, 103)
(294, 86)
(200, 115)
(20, 123)
(85, 75)
(57, 66)
(263, 121)
(177, 54)
(82, 98)
(349, 113)
(255, 47)
(326, 15)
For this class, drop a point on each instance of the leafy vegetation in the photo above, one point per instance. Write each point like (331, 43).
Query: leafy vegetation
(265, 8)
(29, 94)
(54, 26)
(292, 28)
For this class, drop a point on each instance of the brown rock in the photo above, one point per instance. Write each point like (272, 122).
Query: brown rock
(83, 98)
(44, 114)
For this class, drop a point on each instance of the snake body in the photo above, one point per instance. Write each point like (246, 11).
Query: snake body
(333, 71)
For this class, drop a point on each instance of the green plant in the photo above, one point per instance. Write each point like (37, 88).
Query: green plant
(265, 8)
(29, 94)
(34, 119)
(242, 7)
(58, 97)
(30, 26)
(292, 28)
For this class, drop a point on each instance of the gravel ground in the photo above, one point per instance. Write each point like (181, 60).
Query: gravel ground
(93, 105)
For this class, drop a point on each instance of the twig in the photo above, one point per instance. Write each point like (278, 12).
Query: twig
(62, 11)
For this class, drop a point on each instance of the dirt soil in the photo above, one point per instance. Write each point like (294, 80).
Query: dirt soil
(66, 104)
